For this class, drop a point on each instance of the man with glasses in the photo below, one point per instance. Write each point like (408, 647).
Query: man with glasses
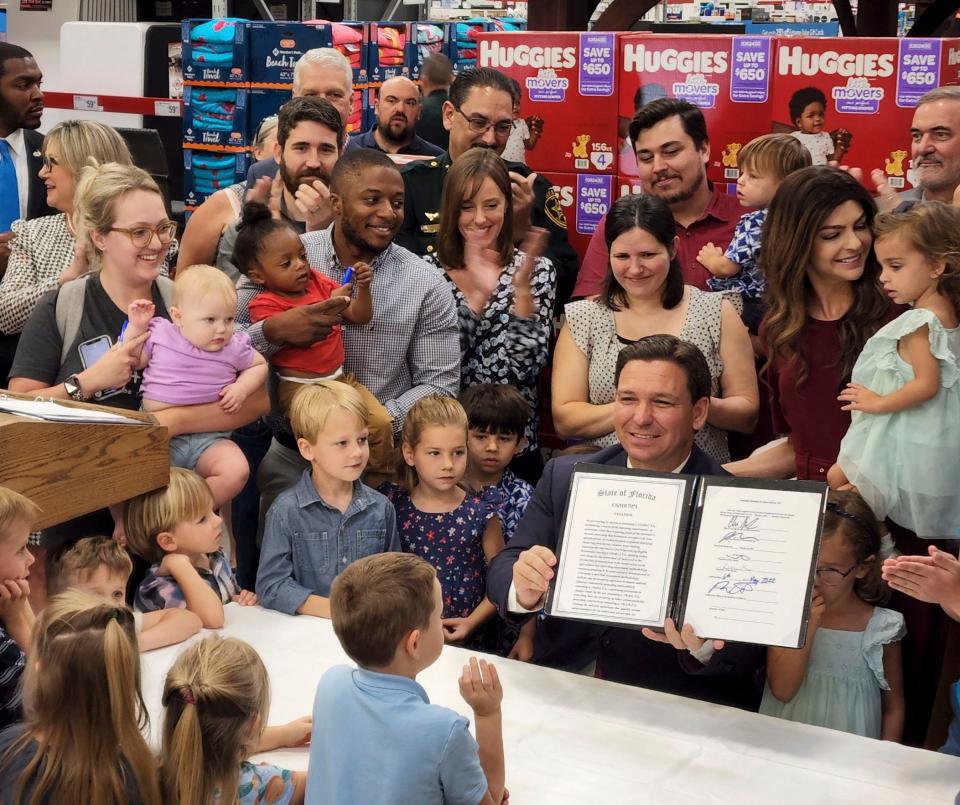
(479, 114)
(395, 132)
(662, 400)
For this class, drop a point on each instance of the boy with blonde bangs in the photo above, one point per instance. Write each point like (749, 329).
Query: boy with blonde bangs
(17, 516)
(387, 616)
(195, 357)
(176, 530)
(101, 566)
(764, 163)
(329, 518)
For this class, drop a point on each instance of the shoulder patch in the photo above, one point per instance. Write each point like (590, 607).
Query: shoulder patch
(553, 208)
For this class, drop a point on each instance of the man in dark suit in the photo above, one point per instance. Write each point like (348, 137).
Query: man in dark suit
(21, 106)
(662, 399)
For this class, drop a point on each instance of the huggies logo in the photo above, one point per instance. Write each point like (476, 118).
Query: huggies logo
(638, 59)
(791, 60)
(857, 97)
(493, 54)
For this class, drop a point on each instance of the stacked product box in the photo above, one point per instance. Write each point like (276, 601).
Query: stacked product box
(568, 80)
(728, 77)
(350, 38)
(865, 82)
(426, 38)
(387, 50)
(216, 124)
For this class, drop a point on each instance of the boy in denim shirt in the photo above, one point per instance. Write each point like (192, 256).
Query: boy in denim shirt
(328, 519)
(386, 613)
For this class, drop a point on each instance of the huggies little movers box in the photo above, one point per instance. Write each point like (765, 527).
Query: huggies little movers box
(569, 81)
(727, 77)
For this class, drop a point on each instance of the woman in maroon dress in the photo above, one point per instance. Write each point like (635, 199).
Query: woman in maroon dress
(824, 301)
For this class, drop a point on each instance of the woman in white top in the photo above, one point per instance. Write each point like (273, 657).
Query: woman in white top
(644, 295)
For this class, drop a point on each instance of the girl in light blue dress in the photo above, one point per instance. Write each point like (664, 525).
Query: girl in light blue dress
(848, 675)
(902, 450)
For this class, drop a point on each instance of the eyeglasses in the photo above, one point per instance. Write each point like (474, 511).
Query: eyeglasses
(142, 236)
(49, 162)
(480, 125)
(831, 576)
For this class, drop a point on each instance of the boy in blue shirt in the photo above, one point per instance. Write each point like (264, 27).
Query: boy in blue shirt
(328, 519)
(387, 615)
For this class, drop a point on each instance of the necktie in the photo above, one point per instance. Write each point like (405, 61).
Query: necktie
(9, 193)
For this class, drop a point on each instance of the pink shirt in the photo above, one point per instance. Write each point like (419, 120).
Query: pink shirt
(716, 225)
(181, 374)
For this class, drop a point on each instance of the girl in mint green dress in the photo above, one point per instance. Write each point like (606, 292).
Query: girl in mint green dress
(848, 675)
(902, 450)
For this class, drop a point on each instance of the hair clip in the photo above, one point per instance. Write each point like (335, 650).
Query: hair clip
(188, 696)
(115, 614)
(837, 509)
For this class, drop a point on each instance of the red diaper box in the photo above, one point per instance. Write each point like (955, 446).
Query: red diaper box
(871, 87)
(728, 77)
(569, 80)
(584, 199)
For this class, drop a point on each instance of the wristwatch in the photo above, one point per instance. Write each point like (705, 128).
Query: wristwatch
(72, 387)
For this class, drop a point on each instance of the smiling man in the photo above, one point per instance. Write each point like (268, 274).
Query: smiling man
(935, 148)
(673, 149)
(397, 109)
(662, 400)
(410, 350)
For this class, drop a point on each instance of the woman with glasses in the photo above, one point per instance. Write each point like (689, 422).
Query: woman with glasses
(504, 296)
(849, 674)
(42, 251)
(206, 240)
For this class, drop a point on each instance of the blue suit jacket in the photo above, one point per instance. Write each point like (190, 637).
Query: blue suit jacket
(265, 167)
(623, 655)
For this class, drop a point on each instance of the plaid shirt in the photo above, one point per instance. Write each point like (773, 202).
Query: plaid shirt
(411, 348)
(12, 663)
(163, 592)
(743, 250)
(515, 494)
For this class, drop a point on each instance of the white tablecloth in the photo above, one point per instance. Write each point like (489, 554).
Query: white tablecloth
(574, 739)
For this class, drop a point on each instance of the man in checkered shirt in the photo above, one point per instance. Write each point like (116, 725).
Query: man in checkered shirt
(410, 349)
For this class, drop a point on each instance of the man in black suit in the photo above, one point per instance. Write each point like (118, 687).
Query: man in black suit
(21, 105)
(662, 399)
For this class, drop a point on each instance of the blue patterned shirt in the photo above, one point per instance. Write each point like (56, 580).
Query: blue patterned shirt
(12, 663)
(162, 592)
(515, 494)
(743, 250)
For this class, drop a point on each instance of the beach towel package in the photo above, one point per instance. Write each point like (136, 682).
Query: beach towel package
(215, 116)
(263, 103)
(356, 119)
(368, 114)
(426, 38)
(275, 48)
(207, 171)
(386, 50)
(350, 38)
(462, 42)
(216, 50)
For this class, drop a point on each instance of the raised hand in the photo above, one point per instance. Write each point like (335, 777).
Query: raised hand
(480, 687)
(139, 314)
(312, 201)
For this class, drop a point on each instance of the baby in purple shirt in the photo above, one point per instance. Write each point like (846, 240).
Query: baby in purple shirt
(197, 358)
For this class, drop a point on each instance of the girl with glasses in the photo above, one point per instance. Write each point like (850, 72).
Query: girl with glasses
(848, 675)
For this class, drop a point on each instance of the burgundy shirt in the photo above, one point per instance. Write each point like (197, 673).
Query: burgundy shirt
(715, 226)
(810, 412)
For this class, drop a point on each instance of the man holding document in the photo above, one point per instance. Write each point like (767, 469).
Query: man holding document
(662, 399)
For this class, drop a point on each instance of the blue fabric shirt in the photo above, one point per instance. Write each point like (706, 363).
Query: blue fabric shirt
(743, 250)
(515, 494)
(417, 147)
(432, 759)
(307, 542)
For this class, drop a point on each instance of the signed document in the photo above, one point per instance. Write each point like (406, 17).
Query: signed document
(734, 557)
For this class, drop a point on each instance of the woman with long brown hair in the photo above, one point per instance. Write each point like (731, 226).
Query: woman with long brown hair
(824, 301)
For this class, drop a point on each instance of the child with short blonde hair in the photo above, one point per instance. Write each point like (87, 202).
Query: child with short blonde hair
(216, 701)
(328, 519)
(176, 529)
(195, 357)
(387, 614)
(764, 163)
(81, 740)
(17, 515)
(100, 565)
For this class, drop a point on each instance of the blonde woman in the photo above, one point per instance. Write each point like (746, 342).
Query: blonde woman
(86, 748)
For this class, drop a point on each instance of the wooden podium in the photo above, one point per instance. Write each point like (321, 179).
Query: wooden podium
(71, 468)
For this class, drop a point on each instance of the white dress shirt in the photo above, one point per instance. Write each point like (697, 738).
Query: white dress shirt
(19, 150)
